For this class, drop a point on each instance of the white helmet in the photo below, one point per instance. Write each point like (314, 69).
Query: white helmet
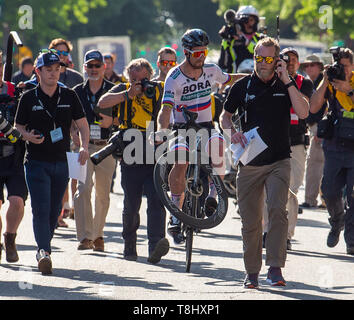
(246, 66)
(247, 11)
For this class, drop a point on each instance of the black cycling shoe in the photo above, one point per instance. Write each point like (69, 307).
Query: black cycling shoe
(175, 231)
(210, 206)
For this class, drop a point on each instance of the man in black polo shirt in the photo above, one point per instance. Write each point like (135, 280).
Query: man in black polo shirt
(89, 228)
(298, 143)
(44, 117)
(264, 98)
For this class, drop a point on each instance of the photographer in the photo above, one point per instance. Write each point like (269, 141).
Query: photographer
(138, 104)
(338, 144)
(11, 167)
(239, 37)
(89, 228)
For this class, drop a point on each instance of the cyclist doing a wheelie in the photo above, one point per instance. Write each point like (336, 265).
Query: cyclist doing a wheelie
(189, 85)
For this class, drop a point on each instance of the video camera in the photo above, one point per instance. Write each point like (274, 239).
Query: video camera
(7, 118)
(115, 147)
(233, 25)
(336, 70)
(149, 88)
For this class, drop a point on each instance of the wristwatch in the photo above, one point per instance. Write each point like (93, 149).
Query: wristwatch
(291, 83)
(350, 93)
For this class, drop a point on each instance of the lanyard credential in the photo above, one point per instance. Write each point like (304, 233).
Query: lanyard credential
(52, 116)
(56, 134)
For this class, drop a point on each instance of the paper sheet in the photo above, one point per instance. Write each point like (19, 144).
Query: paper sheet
(76, 170)
(255, 145)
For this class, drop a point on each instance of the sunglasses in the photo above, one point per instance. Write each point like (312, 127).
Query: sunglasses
(64, 53)
(197, 53)
(166, 62)
(48, 50)
(267, 60)
(93, 65)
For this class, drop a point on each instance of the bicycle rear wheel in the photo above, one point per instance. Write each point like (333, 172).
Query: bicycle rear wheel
(162, 188)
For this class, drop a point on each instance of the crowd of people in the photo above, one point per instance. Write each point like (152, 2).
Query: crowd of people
(306, 120)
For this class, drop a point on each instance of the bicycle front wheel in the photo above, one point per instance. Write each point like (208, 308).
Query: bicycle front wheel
(162, 188)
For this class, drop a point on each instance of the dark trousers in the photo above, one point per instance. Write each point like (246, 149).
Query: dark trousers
(338, 180)
(46, 183)
(134, 180)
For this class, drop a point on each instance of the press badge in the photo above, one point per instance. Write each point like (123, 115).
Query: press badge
(95, 131)
(56, 135)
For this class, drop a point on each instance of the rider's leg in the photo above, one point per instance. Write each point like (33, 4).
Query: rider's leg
(177, 183)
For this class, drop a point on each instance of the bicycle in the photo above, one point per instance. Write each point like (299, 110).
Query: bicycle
(192, 214)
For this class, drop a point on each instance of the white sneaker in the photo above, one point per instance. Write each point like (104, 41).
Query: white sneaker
(44, 262)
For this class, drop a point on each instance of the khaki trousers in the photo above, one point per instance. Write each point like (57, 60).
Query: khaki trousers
(314, 168)
(87, 225)
(252, 181)
(297, 163)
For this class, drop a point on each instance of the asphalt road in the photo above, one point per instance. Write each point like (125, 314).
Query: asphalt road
(313, 271)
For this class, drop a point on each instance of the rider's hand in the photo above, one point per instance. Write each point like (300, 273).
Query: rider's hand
(158, 136)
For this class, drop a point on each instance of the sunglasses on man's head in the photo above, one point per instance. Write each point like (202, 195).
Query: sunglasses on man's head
(267, 60)
(166, 62)
(94, 65)
(198, 53)
(48, 50)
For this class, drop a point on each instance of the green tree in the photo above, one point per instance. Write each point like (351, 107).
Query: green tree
(51, 19)
(305, 18)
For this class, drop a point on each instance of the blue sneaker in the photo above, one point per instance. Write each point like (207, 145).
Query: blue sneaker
(275, 278)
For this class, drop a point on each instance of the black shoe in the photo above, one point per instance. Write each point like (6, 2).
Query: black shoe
(350, 250)
(210, 206)
(264, 240)
(333, 237)
(305, 205)
(288, 244)
(299, 210)
(175, 231)
(251, 281)
(130, 251)
(161, 249)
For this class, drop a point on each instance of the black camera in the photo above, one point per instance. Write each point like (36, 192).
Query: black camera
(232, 26)
(148, 88)
(285, 57)
(336, 70)
(115, 147)
(7, 112)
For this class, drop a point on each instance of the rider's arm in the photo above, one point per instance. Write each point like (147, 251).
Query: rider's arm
(163, 118)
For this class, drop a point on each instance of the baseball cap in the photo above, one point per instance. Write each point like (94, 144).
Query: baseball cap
(93, 55)
(47, 59)
(290, 50)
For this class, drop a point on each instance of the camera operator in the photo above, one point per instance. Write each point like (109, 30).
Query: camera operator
(338, 145)
(138, 104)
(11, 168)
(265, 99)
(239, 37)
(89, 227)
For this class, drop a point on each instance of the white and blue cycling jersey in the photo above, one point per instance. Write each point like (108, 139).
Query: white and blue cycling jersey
(182, 91)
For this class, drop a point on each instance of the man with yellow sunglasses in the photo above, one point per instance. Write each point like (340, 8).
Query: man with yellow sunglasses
(166, 60)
